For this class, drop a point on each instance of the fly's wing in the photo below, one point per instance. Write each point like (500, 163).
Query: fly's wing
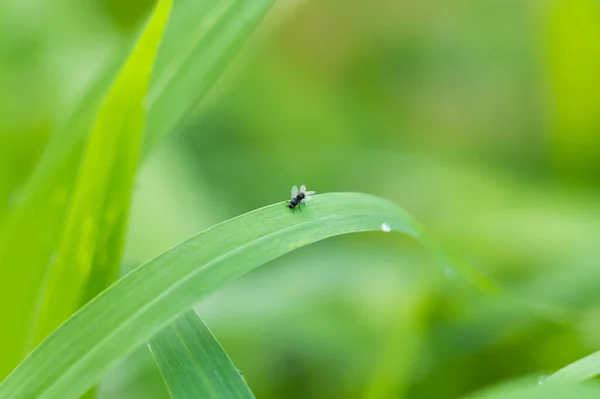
(308, 193)
(294, 191)
(306, 199)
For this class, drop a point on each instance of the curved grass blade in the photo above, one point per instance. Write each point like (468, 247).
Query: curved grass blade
(198, 43)
(578, 371)
(132, 310)
(193, 364)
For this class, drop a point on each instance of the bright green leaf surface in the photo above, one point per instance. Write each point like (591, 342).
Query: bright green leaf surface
(31, 235)
(540, 392)
(137, 306)
(573, 59)
(93, 232)
(201, 37)
(193, 363)
(581, 370)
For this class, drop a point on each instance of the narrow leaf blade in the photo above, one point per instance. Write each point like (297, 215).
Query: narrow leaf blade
(576, 372)
(140, 304)
(193, 364)
(590, 391)
(182, 75)
(197, 49)
(35, 223)
(93, 232)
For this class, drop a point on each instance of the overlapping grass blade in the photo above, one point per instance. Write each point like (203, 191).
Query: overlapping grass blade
(92, 236)
(193, 364)
(198, 43)
(581, 370)
(590, 391)
(195, 53)
(33, 227)
(140, 304)
(561, 384)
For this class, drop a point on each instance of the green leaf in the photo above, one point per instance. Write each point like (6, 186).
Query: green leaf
(573, 59)
(92, 238)
(143, 302)
(193, 364)
(581, 370)
(33, 227)
(511, 391)
(201, 37)
(196, 51)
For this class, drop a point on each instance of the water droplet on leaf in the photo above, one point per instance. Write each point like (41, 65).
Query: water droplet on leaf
(385, 227)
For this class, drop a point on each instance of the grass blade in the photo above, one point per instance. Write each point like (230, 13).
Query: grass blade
(140, 304)
(589, 391)
(193, 364)
(581, 370)
(93, 232)
(36, 220)
(196, 48)
(185, 62)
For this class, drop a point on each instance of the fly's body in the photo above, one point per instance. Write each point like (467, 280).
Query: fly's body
(299, 197)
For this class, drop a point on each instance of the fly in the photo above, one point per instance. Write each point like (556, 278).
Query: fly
(299, 198)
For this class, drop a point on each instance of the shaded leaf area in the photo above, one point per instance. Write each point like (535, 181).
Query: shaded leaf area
(193, 364)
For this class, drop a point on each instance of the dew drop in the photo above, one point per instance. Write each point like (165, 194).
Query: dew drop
(541, 379)
(241, 375)
(385, 227)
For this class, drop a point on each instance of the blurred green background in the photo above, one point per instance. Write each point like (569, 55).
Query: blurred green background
(481, 118)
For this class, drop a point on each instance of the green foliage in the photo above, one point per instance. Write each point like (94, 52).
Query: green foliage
(193, 363)
(467, 114)
(540, 392)
(89, 248)
(573, 57)
(576, 372)
(78, 214)
(199, 44)
(85, 201)
(138, 305)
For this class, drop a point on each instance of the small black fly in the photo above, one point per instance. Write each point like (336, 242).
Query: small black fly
(299, 198)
